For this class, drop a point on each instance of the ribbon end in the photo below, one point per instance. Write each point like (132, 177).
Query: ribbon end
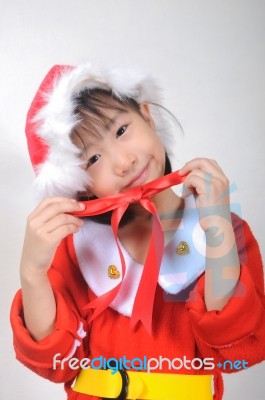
(147, 324)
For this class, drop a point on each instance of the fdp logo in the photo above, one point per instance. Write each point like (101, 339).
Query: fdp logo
(191, 250)
(233, 365)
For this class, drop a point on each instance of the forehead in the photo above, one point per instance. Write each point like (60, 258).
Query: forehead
(98, 111)
(92, 127)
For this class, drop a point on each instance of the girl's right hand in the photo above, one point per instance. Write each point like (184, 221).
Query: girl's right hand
(47, 225)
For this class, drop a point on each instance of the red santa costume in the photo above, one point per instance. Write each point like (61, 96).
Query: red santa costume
(182, 326)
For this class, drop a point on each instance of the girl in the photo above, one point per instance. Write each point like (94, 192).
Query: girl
(93, 299)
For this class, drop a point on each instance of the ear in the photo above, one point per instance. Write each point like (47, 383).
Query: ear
(146, 114)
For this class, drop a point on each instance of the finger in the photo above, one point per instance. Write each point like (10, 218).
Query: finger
(51, 200)
(186, 192)
(60, 233)
(198, 184)
(217, 165)
(59, 221)
(202, 182)
(190, 183)
(207, 176)
(52, 208)
(204, 164)
(194, 184)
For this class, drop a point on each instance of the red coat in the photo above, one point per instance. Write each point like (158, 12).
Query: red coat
(237, 332)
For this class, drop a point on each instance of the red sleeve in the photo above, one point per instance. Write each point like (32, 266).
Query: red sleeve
(69, 337)
(237, 332)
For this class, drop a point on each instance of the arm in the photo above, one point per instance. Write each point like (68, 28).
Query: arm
(44, 316)
(68, 338)
(46, 227)
(222, 267)
(227, 307)
(237, 331)
(38, 303)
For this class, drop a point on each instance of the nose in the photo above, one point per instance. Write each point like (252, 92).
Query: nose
(123, 160)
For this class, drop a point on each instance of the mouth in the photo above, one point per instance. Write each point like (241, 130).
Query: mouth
(139, 178)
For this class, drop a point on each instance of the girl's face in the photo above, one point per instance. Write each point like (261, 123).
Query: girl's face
(126, 154)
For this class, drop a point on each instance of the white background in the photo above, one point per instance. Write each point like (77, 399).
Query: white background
(208, 55)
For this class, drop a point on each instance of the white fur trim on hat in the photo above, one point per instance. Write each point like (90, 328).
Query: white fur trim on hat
(61, 174)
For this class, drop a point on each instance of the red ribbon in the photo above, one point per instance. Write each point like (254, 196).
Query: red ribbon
(143, 304)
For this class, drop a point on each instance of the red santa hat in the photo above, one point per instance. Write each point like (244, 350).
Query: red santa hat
(51, 120)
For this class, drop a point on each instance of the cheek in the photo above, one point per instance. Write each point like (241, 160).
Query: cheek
(151, 141)
(160, 154)
(103, 186)
(159, 149)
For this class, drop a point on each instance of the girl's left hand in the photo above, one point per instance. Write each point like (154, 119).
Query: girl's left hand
(210, 186)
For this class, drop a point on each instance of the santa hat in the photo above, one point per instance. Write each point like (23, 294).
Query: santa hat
(51, 119)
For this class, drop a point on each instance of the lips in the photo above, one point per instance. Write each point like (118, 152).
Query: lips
(139, 178)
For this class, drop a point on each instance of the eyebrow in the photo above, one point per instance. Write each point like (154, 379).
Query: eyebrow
(111, 121)
(108, 125)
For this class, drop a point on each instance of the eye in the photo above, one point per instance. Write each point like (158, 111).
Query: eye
(92, 160)
(121, 131)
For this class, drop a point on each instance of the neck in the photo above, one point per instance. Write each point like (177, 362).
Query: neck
(140, 213)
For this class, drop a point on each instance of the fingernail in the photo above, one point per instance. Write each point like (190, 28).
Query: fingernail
(81, 206)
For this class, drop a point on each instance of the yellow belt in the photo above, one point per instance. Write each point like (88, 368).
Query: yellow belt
(144, 386)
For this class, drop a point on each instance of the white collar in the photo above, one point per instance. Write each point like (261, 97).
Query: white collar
(96, 250)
